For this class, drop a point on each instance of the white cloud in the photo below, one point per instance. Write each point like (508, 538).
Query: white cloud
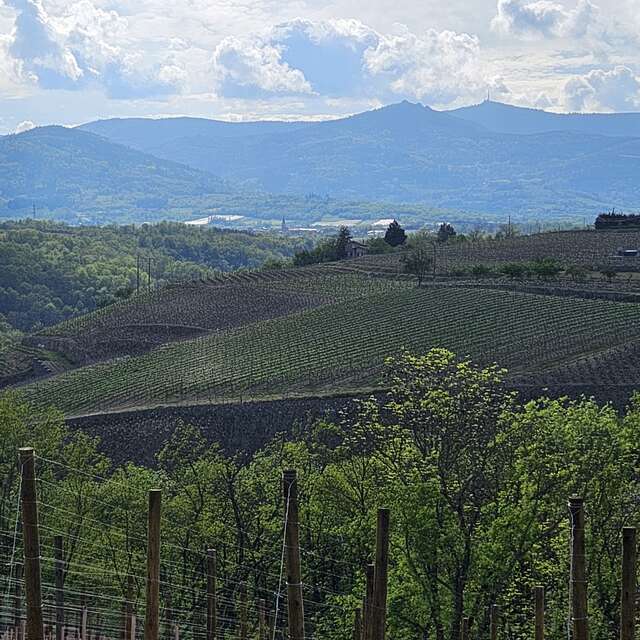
(25, 125)
(544, 18)
(435, 66)
(599, 90)
(338, 58)
(242, 65)
(74, 60)
(84, 45)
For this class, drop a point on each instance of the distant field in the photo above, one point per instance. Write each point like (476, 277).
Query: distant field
(342, 345)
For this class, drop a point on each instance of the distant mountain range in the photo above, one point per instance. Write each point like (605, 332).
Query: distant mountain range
(487, 158)
(490, 159)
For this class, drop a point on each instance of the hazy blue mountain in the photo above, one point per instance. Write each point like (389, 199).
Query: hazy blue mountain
(411, 153)
(504, 118)
(147, 134)
(76, 176)
(57, 167)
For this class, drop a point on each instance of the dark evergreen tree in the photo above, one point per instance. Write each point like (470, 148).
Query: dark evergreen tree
(342, 242)
(395, 235)
(445, 232)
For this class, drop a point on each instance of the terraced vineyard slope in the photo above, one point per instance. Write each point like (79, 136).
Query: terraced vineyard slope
(192, 309)
(342, 345)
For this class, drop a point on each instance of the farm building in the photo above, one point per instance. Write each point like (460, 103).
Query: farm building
(356, 249)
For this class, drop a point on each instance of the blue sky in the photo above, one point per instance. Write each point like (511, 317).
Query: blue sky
(69, 62)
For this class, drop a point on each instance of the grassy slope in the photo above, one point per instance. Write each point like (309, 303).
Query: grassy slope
(348, 340)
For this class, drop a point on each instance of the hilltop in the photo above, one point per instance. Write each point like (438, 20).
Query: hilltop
(541, 165)
(506, 118)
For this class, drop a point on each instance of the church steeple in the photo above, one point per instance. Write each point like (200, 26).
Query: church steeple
(284, 225)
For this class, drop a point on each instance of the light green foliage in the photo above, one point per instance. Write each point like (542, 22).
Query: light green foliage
(51, 272)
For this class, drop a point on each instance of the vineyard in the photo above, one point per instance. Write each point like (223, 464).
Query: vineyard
(570, 248)
(341, 346)
(327, 329)
(179, 312)
(240, 429)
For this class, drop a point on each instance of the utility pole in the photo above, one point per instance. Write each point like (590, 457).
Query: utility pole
(149, 275)
(138, 273)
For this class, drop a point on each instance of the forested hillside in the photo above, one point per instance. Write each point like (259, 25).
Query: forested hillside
(77, 177)
(50, 272)
(56, 168)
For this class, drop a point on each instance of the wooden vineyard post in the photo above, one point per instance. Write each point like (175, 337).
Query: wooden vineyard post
(379, 608)
(83, 623)
(262, 620)
(17, 604)
(58, 550)
(128, 608)
(628, 587)
(244, 630)
(212, 620)
(31, 538)
(538, 597)
(464, 629)
(367, 608)
(494, 618)
(357, 625)
(295, 607)
(578, 571)
(152, 613)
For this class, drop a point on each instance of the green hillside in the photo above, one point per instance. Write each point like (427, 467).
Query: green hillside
(59, 168)
(78, 177)
(343, 345)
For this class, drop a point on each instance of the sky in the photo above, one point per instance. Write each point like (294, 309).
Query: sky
(68, 62)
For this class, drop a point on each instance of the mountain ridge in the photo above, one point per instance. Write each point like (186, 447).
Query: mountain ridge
(505, 118)
(410, 153)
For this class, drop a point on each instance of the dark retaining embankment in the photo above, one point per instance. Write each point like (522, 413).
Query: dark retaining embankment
(245, 428)
(238, 428)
